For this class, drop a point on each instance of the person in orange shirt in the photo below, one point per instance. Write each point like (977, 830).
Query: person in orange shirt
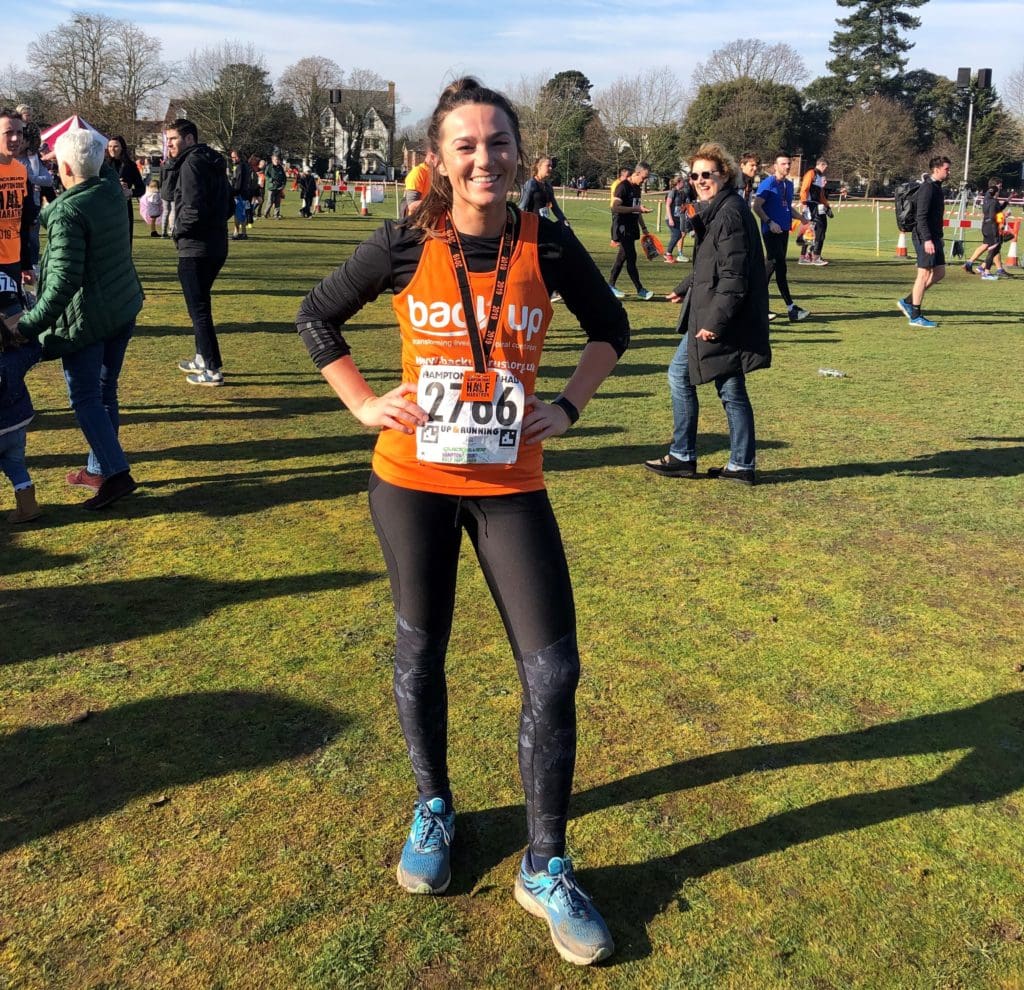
(417, 185)
(14, 201)
(816, 210)
(460, 449)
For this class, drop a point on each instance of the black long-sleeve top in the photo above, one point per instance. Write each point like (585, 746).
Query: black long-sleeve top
(388, 260)
(992, 205)
(930, 206)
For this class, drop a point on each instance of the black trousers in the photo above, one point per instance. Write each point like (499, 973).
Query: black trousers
(519, 548)
(775, 247)
(197, 276)
(627, 257)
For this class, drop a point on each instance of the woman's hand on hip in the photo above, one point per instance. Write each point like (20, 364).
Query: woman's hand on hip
(543, 420)
(392, 410)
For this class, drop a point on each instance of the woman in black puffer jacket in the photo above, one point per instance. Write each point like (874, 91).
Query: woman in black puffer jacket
(724, 321)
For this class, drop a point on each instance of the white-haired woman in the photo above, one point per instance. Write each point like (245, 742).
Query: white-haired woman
(89, 296)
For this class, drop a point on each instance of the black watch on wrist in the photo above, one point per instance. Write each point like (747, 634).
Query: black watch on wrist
(567, 407)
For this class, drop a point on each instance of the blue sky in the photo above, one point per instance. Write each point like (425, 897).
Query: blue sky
(422, 46)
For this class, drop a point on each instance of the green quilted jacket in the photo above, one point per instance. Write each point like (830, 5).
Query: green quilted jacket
(88, 288)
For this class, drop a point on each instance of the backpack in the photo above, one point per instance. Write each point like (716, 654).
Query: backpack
(905, 202)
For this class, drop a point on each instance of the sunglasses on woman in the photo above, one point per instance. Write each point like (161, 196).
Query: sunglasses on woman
(694, 176)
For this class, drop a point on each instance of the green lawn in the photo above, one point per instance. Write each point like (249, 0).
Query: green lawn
(801, 722)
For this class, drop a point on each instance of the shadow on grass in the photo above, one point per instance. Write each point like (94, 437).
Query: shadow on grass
(258, 451)
(60, 775)
(18, 559)
(43, 622)
(980, 462)
(561, 458)
(632, 895)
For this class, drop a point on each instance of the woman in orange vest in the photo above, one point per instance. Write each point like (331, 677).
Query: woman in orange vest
(459, 449)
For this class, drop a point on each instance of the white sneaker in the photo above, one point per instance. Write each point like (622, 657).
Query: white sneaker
(618, 293)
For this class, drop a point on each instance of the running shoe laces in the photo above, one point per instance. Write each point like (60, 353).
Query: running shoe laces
(563, 887)
(430, 832)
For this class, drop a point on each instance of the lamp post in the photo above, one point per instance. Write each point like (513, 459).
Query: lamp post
(963, 82)
(335, 99)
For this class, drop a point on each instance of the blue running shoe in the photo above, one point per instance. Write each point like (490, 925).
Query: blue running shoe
(578, 931)
(425, 866)
(923, 322)
(645, 294)
(905, 308)
(618, 293)
(989, 277)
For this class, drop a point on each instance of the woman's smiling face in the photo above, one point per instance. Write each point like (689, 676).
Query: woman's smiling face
(706, 188)
(479, 156)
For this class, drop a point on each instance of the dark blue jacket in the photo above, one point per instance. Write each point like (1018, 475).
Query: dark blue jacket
(15, 402)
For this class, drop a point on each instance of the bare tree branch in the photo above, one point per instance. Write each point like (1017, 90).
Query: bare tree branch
(873, 140)
(751, 58)
(307, 86)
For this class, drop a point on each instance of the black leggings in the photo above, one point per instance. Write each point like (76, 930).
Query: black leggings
(627, 256)
(519, 547)
(775, 247)
(820, 230)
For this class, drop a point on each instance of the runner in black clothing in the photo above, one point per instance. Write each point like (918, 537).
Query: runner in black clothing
(538, 193)
(626, 212)
(927, 237)
(991, 238)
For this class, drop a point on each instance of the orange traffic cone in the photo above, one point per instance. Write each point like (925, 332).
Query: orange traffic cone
(901, 246)
(363, 211)
(1013, 226)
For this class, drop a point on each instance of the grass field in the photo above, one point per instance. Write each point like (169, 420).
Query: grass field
(801, 725)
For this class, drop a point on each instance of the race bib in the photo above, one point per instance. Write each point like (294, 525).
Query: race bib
(461, 432)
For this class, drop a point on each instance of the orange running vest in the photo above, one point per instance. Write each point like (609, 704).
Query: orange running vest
(13, 188)
(430, 317)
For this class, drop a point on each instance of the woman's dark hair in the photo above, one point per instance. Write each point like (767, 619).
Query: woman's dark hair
(125, 154)
(462, 92)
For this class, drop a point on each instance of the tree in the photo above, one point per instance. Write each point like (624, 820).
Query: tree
(745, 116)
(230, 99)
(751, 58)
(105, 69)
(1013, 93)
(18, 86)
(868, 51)
(359, 97)
(997, 141)
(72, 61)
(564, 109)
(874, 140)
(643, 114)
(307, 86)
(136, 77)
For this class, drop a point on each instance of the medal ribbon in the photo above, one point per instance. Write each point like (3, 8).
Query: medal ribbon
(482, 348)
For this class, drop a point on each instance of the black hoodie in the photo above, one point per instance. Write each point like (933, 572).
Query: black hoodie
(202, 202)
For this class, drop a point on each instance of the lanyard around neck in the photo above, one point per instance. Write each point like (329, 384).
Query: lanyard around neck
(482, 348)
